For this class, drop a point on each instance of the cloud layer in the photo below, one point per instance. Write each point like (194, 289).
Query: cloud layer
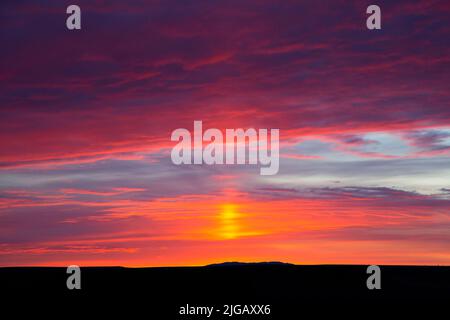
(86, 118)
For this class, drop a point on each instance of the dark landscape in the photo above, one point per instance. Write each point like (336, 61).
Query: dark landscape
(287, 288)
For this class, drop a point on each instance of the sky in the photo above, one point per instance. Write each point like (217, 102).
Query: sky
(86, 117)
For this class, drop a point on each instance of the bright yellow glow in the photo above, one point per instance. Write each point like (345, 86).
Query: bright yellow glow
(228, 221)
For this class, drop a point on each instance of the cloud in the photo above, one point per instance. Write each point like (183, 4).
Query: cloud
(86, 117)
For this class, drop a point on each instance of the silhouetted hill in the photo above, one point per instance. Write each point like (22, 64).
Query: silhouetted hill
(238, 264)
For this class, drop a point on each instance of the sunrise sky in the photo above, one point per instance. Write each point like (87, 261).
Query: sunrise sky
(86, 117)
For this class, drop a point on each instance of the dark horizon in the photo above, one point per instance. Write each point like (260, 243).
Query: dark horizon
(231, 264)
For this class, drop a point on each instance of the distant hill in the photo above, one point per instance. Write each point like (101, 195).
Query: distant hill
(236, 264)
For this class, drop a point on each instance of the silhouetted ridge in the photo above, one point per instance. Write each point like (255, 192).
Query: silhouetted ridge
(237, 264)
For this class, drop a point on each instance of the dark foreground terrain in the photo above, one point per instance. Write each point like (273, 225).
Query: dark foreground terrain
(160, 293)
